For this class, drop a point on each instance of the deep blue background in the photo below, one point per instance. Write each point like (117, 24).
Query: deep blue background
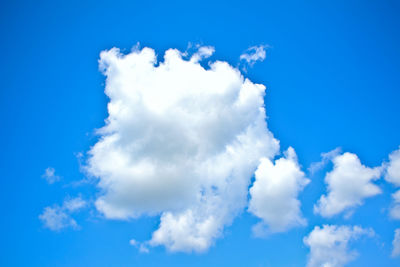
(332, 77)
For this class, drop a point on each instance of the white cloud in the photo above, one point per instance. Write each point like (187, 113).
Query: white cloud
(59, 217)
(325, 158)
(349, 183)
(50, 176)
(395, 209)
(254, 54)
(202, 53)
(396, 243)
(329, 245)
(392, 173)
(274, 194)
(180, 141)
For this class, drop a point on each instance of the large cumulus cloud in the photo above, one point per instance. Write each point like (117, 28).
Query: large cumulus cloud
(180, 141)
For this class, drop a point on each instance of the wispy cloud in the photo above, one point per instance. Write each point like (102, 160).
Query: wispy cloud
(254, 54)
(59, 217)
(325, 158)
(50, 175)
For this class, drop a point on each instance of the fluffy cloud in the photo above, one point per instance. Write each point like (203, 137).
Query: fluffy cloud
(274, 194)
(59, 217)
(50, 175)
(180, 141)
(349, 183)
(396, 243)
(254, 54)
(392, 174)
(329, 245)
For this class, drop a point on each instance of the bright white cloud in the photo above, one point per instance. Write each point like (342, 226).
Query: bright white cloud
(50, 175)
(349, 183)
(59, 217)
(274, 194)
(180, 141)
(254, 54)
(329, 245)
(392, 174)
(396, 243)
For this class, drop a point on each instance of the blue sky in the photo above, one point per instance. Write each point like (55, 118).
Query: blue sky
(331, 73)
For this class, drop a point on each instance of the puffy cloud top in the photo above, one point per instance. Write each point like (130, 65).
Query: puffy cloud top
(349, 183)
(274, 193)
(181, 141)
(329, 245)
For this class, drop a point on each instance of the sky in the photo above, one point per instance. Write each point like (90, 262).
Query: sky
(212, 133)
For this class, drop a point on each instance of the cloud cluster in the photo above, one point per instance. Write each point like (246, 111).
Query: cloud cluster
(274, 194)
(59, 217)
(329, 245)
(349, 183)
(180, 141)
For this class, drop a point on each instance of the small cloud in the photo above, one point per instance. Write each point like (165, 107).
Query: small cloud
(202, 53)
(133, 242)
(395, 208)
(50, 176)
(348, 185)
(143, 248)
(396, 243)
(392, 172)
(330, 245)
(140, 246)
(58, 217)
(277, 183)
(55, 218)
(74, 204)
(254, 54)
